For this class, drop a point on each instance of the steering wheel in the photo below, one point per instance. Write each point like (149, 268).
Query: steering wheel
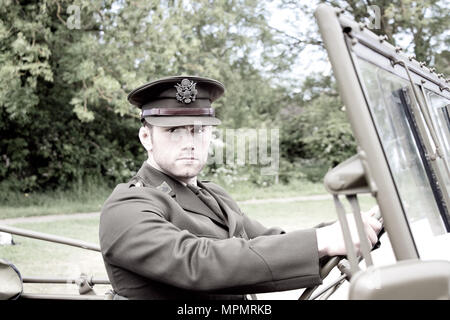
(328, 264)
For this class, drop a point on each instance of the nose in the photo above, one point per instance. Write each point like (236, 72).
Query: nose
(189, 138)
(189, 143)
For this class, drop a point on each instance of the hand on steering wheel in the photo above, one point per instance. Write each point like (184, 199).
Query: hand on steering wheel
(334, 255)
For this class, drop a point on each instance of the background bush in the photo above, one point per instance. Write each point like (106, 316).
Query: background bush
(64, 117)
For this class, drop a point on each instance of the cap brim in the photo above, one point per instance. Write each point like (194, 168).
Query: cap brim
(172, 121)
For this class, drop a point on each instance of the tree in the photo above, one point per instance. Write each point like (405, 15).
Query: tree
(67, 66)
(424, 23)
(316, 132)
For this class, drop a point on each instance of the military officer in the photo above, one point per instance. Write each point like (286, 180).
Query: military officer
(167, 235)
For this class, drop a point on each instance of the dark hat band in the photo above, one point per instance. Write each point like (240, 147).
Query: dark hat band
(174, 103)
(178, 112)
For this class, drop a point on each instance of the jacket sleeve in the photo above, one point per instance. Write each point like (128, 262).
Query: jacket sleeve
(135, 235)
(255, 229)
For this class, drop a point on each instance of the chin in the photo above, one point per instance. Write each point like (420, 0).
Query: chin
(189, 172)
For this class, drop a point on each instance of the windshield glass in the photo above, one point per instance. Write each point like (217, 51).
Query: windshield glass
(439, 110)
(440, 114)
(389, 98)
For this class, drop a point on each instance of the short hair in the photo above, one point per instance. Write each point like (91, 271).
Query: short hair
(149, 126)
(146, 124)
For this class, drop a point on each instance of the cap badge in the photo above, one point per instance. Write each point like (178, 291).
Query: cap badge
(186, 91)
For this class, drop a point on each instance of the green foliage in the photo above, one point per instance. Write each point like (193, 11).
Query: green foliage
(85, 196)
(424, 21)
(423, 25)
(63, 109)
(64, 116)
(319, 136)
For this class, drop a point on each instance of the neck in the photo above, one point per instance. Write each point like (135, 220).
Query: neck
(182, 180)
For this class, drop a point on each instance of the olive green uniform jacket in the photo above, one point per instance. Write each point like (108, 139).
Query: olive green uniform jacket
(160, 241)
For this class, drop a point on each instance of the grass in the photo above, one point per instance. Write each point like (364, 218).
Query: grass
(90, 198)
(86, 198)
(246, 191)
(41, 258)
(299, 214)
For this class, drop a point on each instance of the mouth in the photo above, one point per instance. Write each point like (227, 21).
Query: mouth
(187, 158)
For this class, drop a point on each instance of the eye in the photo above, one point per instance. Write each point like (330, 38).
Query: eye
(198, 129)
(176, 130)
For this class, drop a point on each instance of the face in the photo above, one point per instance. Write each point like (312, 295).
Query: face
(181, 152)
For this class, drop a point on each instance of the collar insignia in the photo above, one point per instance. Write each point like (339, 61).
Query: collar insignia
(186, 91)
(164, 187)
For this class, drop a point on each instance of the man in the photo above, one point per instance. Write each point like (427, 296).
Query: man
(166, 235)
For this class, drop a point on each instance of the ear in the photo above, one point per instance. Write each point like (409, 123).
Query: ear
(146, 138)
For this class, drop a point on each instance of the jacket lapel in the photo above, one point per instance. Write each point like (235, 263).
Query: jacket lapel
(191, 202)
(230, 215)
(182, 195)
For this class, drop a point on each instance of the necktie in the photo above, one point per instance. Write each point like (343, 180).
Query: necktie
(207, 199)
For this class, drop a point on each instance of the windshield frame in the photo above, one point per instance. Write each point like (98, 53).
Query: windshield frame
(419, 130)
(341, 35)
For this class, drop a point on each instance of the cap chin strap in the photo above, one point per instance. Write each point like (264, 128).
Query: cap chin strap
(178, 112)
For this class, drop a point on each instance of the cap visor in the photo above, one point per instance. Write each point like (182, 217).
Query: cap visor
(182, 121)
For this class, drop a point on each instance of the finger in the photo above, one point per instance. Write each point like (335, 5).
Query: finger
(373, 212)
(375, 224)
(371, 235)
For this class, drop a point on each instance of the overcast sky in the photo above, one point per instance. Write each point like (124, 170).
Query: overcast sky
(311, 59)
